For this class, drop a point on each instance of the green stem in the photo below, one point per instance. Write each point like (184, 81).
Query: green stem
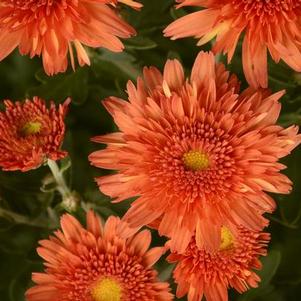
(70, 199)
(58, 176)
(21, 219)
(283, 223)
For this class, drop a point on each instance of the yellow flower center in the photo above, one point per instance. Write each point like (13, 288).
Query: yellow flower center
(196, 160)
(227, 239)
(30, 128)
(107, 289)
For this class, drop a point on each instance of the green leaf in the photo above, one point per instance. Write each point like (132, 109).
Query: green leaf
(62, 86)
(270, 266)
(140, 43)
(166, 272)
(115, 65)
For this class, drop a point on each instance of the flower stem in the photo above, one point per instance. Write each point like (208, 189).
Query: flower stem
(58, 176)
(69, 197)
(21, 219)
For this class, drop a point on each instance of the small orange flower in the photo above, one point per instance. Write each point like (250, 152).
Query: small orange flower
(268, 25)
(195, 152)
(30, 134)
(96, 264)
(53, 28)
(201, 273)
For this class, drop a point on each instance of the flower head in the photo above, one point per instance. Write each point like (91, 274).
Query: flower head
(55, 28)
(268, 25)
(201, 273)
(195, 152)
(30, 133)
(96, 264)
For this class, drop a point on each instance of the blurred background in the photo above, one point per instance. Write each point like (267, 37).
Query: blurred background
(29, 207)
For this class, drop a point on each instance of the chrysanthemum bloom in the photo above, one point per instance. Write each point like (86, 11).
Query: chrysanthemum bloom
(195, 152)
(268, 25)
(54, 29)
(30, 133)
(201, 273)
(96, 264)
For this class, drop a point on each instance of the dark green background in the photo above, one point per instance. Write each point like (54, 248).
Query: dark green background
(31, 214)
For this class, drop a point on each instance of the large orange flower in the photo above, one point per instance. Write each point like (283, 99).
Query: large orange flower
(96, 264)
(268, 25)
(201, 273)
(30, 133)
(53, 28)
(195, 152)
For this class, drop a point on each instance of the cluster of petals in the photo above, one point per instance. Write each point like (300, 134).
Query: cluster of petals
(31, 133)
(273, 26)
(54, 29)
(201, 273)
(96, 264)
(195, 152)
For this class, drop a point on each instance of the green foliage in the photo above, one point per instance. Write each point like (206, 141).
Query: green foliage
(266, 290)
(29, 202)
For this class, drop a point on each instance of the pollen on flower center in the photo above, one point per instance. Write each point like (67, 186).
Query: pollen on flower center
(196, 160)
(227, 239)
(30, 128)
(107, 289)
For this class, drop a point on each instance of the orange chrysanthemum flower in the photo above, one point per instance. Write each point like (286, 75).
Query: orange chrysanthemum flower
(201, 273)
(268, 25)
(30, 133)
(53, 28)
(96, 264)
(195, 152)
